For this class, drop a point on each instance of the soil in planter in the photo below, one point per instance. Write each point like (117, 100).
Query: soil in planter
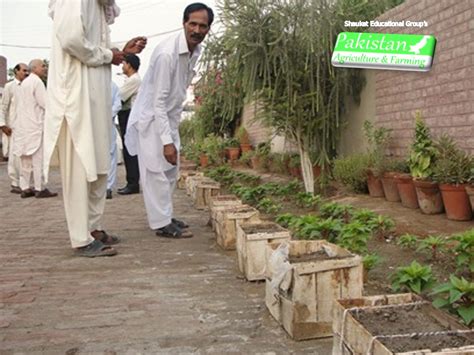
(315, 256)
(263, 228)
(405, 320)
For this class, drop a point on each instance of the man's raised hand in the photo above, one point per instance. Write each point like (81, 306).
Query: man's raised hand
(135, 45)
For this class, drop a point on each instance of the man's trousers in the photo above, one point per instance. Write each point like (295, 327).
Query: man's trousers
(131, 162)
(32, 170)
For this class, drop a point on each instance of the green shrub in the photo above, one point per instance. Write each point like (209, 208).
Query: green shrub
(408, 241)
(352, 172)
(464, 251)
(414, 277)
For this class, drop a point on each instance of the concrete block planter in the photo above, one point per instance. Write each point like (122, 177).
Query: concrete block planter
(252, 240)
(183, 175)
(203, 193)
(315, 274)
(220, 202)
(397, 324)
(191, 180)
(227, 220)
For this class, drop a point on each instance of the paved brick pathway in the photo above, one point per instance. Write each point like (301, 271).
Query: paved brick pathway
(156, 297)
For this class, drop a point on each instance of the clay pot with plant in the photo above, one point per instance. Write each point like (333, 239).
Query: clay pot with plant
(294, 166)
(392, 168)
(378, 139)
(421, 162)
(244, 139)
(452, 171)
(232, 149)
(212, 150)
(259, 159)
(470, 189)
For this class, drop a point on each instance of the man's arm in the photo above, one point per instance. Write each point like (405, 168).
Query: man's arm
(162, 80)
(116, 102)
(69, 30)
(4, 109)
(40, 94)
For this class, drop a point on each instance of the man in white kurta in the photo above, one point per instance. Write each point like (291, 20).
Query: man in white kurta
(28, 141)
(78, 114)
(8, 114)
(152, 131)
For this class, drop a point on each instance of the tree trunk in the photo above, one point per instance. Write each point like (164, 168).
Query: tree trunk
(306, 165)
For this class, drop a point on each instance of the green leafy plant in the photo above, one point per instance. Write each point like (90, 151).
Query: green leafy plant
(286, 219)
(408, 241)
(415, 277)
(352, 172)
(382, 226)
(246, 157)
(354, 237)
(213, 147)
(423, 152)
(434, 244)
(457, 296)
(453, 165)
(336, 210)
(232, 142)
(464, 250)
(267, 205)
(378, 139)
(328, 229)
(243, 135)
(370, 261)
(307, 200)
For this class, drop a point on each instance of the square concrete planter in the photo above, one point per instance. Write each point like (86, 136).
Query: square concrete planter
(220, 202)
(402, 324)
(183, 175)
(203, 193)
(191, 181)
(317, 274)
(252, 240)
(227, 220)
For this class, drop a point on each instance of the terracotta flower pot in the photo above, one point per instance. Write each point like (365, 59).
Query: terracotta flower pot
(407, 191)
(257, 163)
(390, 188)
(203, 160)
(470, 193)
(233, 153)
(375, 185)
(245, 147)
(456, 202)
(316, 171)
(429, 197)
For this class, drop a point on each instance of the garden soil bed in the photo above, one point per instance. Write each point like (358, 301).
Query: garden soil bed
(315, 256)
(406, 320)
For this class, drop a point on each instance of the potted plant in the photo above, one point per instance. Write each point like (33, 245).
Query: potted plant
(378, 139)
(452, 172)
(294, 166)
(244, 139)
(405, 186)
(421, 162)
(212, 149)
(470, 188)
(261, 155)
(391, 169)
(232, 149)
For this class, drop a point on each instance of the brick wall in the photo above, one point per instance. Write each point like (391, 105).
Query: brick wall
(444, 95)
(258, 132)
(3, 71)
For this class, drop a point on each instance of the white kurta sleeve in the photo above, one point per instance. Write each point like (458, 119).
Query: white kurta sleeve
(70, 23)
(162, 78)
(116, 102)
(40, 94)
(5, 106)
(129, 88)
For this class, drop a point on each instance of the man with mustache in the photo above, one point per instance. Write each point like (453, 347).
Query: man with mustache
(78, 112)
(152, 130)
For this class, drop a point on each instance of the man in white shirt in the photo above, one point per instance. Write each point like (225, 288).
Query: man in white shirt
(128, 93)
(78, 114)
(8, 114)
(28, 144)
(152, 131)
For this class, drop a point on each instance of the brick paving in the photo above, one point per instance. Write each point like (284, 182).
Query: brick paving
(157, 296)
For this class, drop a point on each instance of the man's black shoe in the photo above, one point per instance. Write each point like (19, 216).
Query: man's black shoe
(127, 190)
(108, 196)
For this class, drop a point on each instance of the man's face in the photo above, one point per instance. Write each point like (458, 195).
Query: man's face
(125, 67)
(196, 28)
(22, 73)
(40, 69)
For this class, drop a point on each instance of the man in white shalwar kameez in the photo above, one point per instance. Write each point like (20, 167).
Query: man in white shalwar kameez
(152, 130)
(8, 114)
(28, 141)
(78, 114)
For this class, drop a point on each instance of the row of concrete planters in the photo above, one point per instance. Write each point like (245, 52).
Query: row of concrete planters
(351, 337)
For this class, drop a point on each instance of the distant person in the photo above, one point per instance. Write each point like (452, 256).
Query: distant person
(112, 175)
(152, 130)
(128, 93)
(28, 144)
(78, 114)
(8, 114)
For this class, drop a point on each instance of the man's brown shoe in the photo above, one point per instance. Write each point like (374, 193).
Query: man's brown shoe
(15, 190)
(45, 194)
(27, 193)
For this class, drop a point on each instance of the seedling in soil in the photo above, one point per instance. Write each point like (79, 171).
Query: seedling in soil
(435, 245)
(267, 205)
(286, 219)
(307, 200)
(415, 277)
(465, 251)
(457, 296)
(370, 261)
(336, 210)
(354, 237)
(327, 229)
(408, 241)
(383, 227)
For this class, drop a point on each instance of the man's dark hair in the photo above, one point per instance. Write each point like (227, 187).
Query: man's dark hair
(16, 68)
(198, 6)
(133, 60)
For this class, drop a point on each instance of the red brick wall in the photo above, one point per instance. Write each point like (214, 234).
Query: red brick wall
(444, 95)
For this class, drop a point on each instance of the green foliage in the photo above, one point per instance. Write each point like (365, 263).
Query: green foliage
(415, 277)
(457, 296)
(336, 210)
(267, 205)
(423, 152)
(307, 200)
(352, 171)
(378, 139)
(370, 261)
(246, 156)
(408, 241)
(434, 245)
(354, 237)
(213, 147)
(285, 219)
(453, 165)
(464, 250)
(232, 142)
(328, 229)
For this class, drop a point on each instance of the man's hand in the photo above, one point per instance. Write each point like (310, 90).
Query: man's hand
(135, 45)
(7, 130)
(170, 153)
(118, 56)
